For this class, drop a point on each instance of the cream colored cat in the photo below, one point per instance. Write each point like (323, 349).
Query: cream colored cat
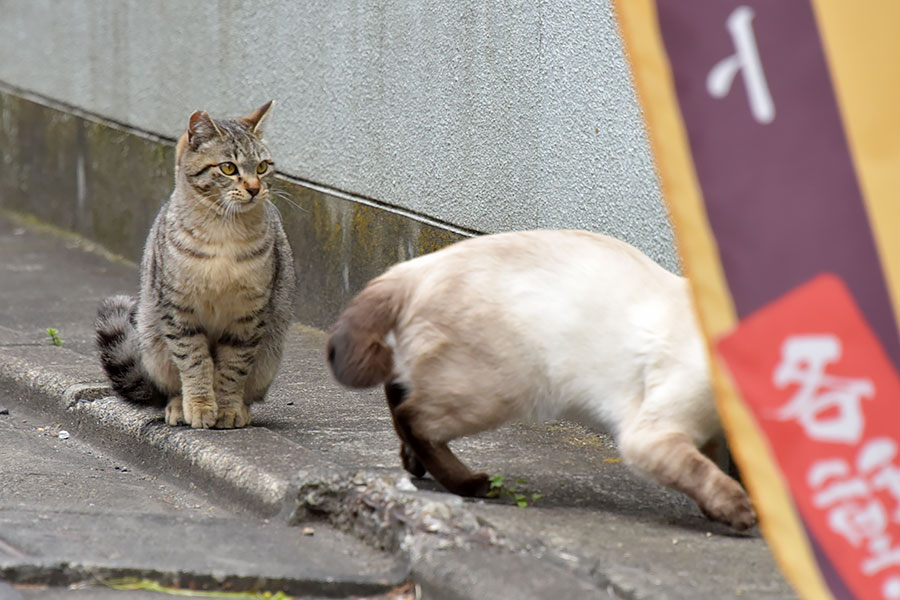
(540, 325)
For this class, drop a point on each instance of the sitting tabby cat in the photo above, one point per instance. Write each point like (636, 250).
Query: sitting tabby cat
(205, 335)
(540, 325)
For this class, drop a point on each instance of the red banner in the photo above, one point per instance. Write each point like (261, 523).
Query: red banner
(824, 392)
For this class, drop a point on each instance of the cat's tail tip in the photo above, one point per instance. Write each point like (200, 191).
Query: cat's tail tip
(357, 352)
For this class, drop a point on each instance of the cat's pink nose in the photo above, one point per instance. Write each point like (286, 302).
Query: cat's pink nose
(253, 188)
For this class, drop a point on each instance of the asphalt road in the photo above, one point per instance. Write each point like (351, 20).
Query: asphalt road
(67, 508)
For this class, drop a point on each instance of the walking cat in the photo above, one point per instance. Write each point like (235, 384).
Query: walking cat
(204, 336)
(540, 325)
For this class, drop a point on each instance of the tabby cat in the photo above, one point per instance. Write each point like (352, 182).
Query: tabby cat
(540, 325)
(204, 337)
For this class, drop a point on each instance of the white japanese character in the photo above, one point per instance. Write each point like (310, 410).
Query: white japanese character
(745, 59)
(875, 471)
(890, 589)
(882, 556)
(858, 521)
(823, 470)
(855, 513)
(827, 407)
(879, 454)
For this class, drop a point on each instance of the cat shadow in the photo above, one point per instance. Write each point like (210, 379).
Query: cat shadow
(660, 507)
(621, 495)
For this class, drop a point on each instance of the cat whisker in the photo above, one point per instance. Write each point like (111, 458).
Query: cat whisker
(271, 206)
(231, 213)
(287, 198)
(211, 207)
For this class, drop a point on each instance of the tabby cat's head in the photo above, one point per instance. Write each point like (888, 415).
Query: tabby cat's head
(224, 162)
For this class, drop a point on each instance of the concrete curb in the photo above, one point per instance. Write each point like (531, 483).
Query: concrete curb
(452, 553)
(53, 380)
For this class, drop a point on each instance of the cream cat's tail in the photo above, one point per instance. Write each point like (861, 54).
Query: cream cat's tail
(117, 342)
(357, 352)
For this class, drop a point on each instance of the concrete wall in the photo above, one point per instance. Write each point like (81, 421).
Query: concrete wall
(484, 116)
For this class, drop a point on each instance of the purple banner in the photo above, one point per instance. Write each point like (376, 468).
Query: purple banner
(770, 151)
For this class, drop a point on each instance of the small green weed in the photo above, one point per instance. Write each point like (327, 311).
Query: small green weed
(499, 488)
(54, 337)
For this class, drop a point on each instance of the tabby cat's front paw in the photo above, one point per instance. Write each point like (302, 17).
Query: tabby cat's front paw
(174, 412)
(200, 413)
(233, 417)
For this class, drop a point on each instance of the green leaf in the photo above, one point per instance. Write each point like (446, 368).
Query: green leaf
(54, 337)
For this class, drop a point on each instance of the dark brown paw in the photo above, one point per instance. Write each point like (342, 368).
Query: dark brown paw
(411, 462)
(475, 486)
(741, 518)
(732, 508)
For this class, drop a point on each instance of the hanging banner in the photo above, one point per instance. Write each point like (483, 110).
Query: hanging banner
(775, 129)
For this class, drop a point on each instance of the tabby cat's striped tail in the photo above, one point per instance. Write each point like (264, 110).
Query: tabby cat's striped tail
(117, 342)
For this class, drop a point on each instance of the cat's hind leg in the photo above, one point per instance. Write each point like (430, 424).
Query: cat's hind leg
(672, 459)
(162, 371)
(410, 461)
(263, 365)
(424, 454)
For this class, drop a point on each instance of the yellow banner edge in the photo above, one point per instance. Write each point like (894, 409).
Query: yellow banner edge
(866, 94)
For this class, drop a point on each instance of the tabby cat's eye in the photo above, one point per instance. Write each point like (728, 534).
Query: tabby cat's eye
(228, 168)
(262, 168)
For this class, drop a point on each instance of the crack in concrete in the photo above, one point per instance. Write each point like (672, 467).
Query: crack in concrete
(85, 392)
(391, 514)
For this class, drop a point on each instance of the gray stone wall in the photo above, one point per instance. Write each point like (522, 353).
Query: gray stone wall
(486, 116)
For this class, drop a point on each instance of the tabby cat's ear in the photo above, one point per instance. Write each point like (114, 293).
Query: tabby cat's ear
(201, 128)
(254, 120)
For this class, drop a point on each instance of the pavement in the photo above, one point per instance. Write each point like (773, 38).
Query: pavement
(72, 515)
(323, 457)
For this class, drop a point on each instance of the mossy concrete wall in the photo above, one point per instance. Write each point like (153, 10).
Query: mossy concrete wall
(100, 181)
(107, 184)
